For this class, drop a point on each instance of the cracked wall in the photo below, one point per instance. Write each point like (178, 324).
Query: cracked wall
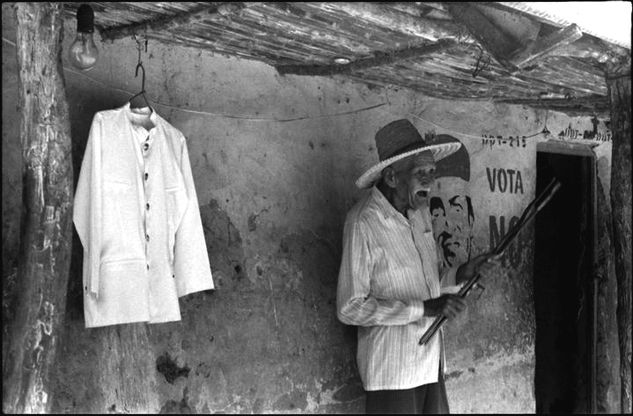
(274, 161)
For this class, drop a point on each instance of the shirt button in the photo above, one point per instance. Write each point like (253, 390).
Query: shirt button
(145, 146)
(147, 266)
(146, 237)
(147, 207)
(146, 175)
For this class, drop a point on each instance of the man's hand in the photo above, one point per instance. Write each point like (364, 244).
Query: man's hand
(480, 264)
(447, 305)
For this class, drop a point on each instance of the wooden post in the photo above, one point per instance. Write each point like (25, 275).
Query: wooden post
(607, 373)
(618, 79)
(383, 59)
(126, 375)
(46, 221)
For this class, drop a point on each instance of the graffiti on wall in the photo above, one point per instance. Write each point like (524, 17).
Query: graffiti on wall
(479, 196)
(490, 141)
(504, 180)
(451, 206)
(595, 134)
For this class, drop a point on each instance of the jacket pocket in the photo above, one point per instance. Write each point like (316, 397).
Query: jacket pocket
(123, 291)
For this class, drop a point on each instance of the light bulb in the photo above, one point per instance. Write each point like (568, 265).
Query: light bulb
(83, 52)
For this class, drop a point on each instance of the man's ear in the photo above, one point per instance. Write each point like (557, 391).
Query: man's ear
(389, 177)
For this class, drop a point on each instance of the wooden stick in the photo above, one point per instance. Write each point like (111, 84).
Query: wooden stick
(544, 45)
(167, 23)
(384, 59)
(530, 212)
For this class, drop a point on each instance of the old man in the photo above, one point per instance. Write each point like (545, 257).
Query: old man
(389, 282)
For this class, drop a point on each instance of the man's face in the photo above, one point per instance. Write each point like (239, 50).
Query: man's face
(415, 175)
(452, 216)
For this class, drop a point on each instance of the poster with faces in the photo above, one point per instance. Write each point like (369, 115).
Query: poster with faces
(481, 190)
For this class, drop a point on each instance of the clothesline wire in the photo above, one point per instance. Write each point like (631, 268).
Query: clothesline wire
(231, 115)
(281, 120)
(275, 119)
(444, 129)
(520, 136)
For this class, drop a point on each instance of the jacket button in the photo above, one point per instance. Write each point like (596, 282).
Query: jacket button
(148, 266)
(147, 206)
(146, 175)
(146, 237)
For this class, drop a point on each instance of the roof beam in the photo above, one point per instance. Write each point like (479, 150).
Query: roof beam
(167, 23)
(544, 45)
(435, 11)
(384, 58)
(590, 47)
(591, 104)
(521, 29)
(496, 42)
(399, 21)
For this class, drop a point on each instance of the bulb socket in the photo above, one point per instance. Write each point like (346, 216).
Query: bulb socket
(85, 19)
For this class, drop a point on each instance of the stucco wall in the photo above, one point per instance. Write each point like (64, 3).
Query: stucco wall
(274, 161)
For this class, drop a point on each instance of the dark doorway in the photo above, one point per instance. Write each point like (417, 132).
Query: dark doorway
(563, 293)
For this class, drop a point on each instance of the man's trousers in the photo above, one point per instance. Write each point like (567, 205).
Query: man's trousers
(424, 399)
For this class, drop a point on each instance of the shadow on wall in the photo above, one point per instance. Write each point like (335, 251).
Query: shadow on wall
(79, 108)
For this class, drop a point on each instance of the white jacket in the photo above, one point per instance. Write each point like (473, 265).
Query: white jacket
(136, 213)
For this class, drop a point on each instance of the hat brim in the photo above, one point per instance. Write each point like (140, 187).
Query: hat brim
(440, 151)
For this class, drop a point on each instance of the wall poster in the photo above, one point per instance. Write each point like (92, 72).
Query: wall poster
(481, 191)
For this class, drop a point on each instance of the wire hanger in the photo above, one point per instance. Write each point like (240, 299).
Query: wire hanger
(139, 65)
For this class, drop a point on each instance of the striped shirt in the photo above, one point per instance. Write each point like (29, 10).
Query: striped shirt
(389, 267)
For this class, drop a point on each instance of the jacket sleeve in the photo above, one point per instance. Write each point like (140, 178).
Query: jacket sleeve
(355, 304)
(191, 260)
(87, 209)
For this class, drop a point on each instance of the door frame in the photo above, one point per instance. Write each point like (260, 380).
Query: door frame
(586, 150)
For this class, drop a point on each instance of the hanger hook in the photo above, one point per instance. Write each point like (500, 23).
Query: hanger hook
(138, 48)
(140, 65)
(139, 43)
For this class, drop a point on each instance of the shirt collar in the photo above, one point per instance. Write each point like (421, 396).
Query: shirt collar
(137, 115)
(384, 206)
(388, 210)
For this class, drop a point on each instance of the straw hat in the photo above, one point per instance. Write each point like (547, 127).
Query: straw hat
(397, 140)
